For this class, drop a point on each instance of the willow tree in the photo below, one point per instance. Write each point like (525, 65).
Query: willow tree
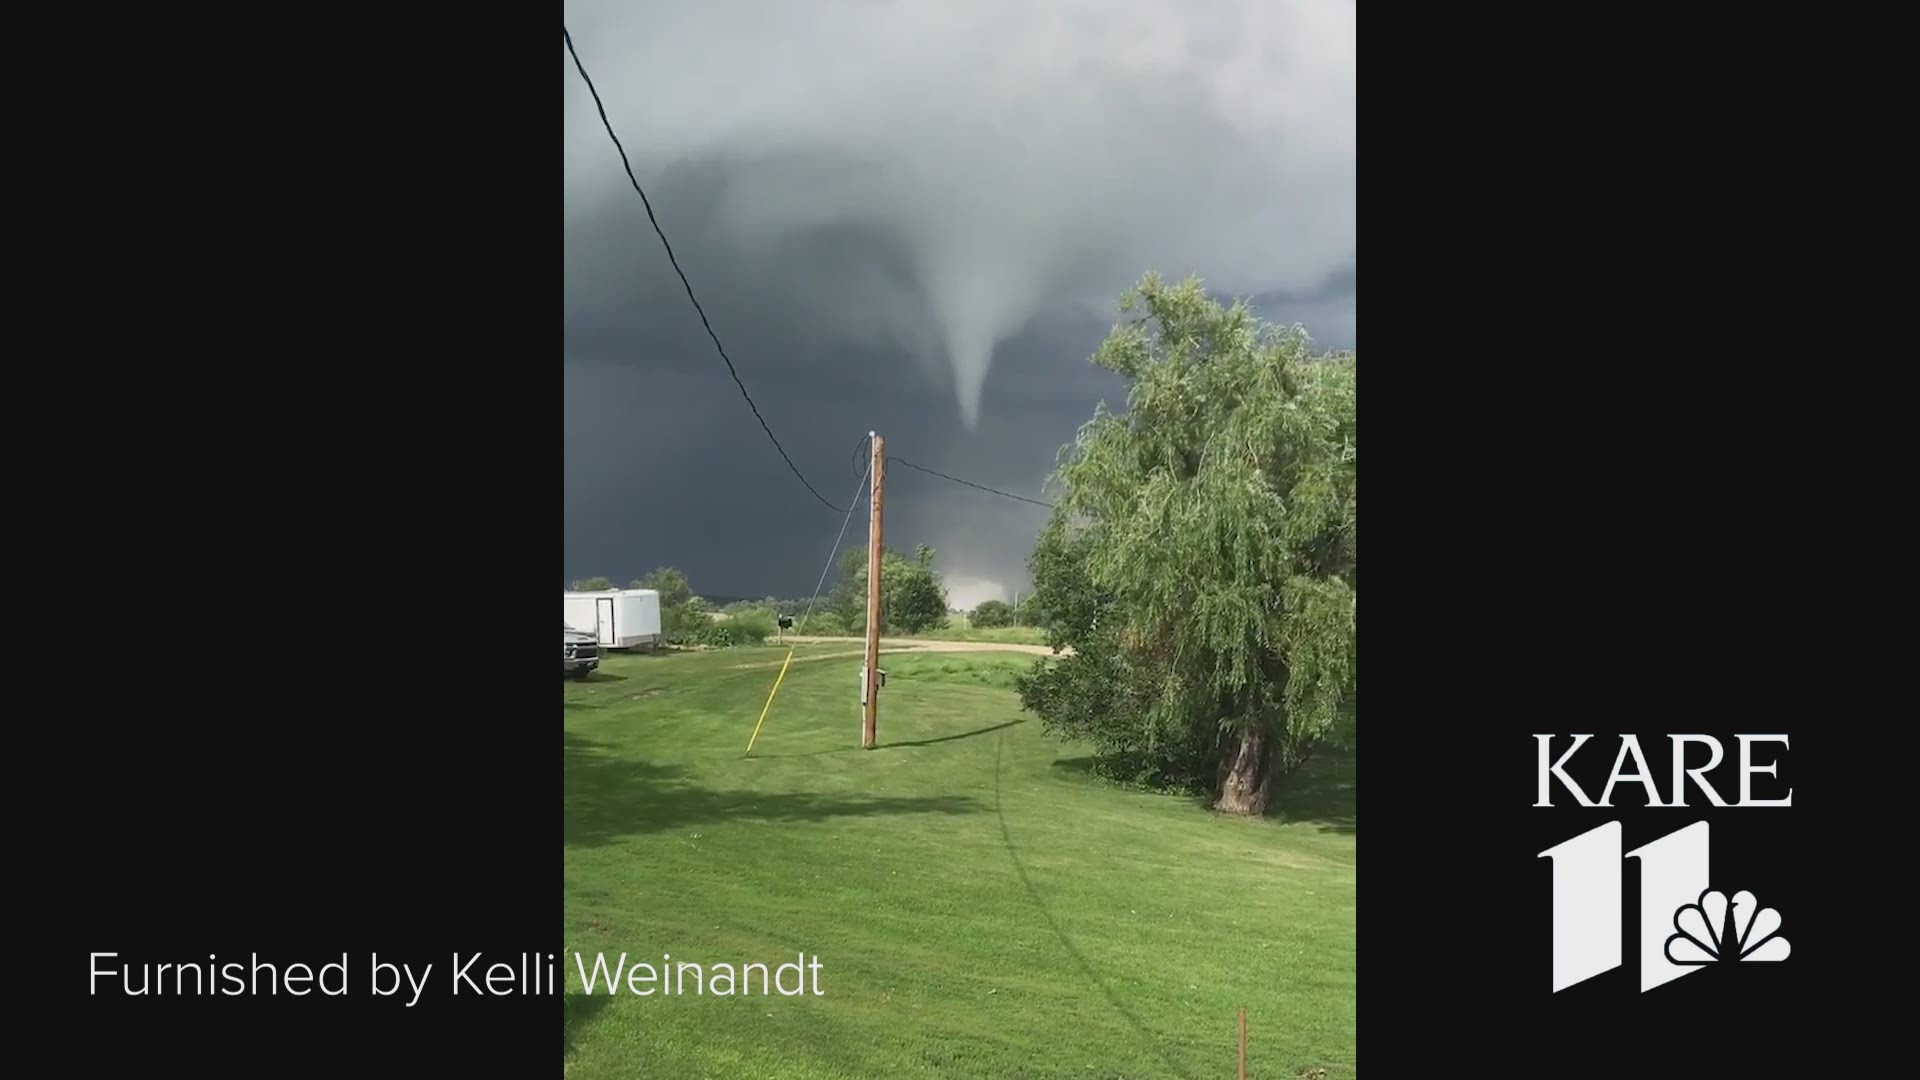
(1201, 559)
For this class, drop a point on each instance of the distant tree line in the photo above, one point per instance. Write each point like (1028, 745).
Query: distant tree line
(996, 613)
(913, 601)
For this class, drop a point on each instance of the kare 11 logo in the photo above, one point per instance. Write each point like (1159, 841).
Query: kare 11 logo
(1688, 918)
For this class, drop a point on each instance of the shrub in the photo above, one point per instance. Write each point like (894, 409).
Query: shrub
(823, 623)
(993, 613)
(749, 627)
(685, 624)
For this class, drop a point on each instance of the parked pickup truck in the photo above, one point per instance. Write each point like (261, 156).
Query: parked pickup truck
(582, 654)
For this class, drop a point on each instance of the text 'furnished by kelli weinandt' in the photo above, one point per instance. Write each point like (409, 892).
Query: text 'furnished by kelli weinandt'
(467, 975)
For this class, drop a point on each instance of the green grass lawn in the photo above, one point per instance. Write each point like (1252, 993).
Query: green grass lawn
(980, 907)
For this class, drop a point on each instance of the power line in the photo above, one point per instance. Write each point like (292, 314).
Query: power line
(853, 504)
(568, 37)
(865, 441)
(969, 483)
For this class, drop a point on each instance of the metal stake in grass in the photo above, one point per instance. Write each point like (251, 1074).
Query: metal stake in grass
(1243, 1044)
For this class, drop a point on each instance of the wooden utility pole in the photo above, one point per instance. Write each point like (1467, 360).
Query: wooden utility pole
(870, 692)
(1243, 1044)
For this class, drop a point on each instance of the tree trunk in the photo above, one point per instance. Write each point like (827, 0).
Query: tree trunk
(1246, 774)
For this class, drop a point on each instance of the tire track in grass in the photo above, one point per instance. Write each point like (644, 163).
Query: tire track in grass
(1006, 838)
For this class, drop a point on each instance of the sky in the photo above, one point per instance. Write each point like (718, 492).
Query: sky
(914, 218)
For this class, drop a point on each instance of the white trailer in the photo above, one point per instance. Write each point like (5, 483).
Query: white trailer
(617, 618)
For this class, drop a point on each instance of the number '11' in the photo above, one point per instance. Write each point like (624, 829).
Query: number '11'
(1587, 916)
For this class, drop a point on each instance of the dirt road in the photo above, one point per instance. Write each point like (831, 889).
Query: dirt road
(925, 645)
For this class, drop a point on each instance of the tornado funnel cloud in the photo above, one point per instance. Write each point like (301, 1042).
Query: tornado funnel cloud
(933, 181)
(973, 319)
(970, 363)
(983, 279)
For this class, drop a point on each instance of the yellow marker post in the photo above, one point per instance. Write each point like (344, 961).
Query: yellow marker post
(755, 737)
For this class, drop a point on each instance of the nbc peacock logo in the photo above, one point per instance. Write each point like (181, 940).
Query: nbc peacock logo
(1714, 930)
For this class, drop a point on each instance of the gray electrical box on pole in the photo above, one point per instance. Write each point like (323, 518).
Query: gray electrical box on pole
(879, 681)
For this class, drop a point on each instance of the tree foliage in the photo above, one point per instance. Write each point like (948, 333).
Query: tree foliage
(912, 599)
(992, 613)
(593, 584)
(671, 584)
(1201, 560)
(912, 595)
(848, 598)
(1030, 612)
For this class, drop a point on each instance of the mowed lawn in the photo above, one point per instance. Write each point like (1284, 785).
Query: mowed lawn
(980, 907)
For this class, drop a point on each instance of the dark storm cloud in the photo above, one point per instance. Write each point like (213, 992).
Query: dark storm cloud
(914, 218)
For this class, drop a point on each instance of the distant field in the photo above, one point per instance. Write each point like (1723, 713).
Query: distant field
(980, 907)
